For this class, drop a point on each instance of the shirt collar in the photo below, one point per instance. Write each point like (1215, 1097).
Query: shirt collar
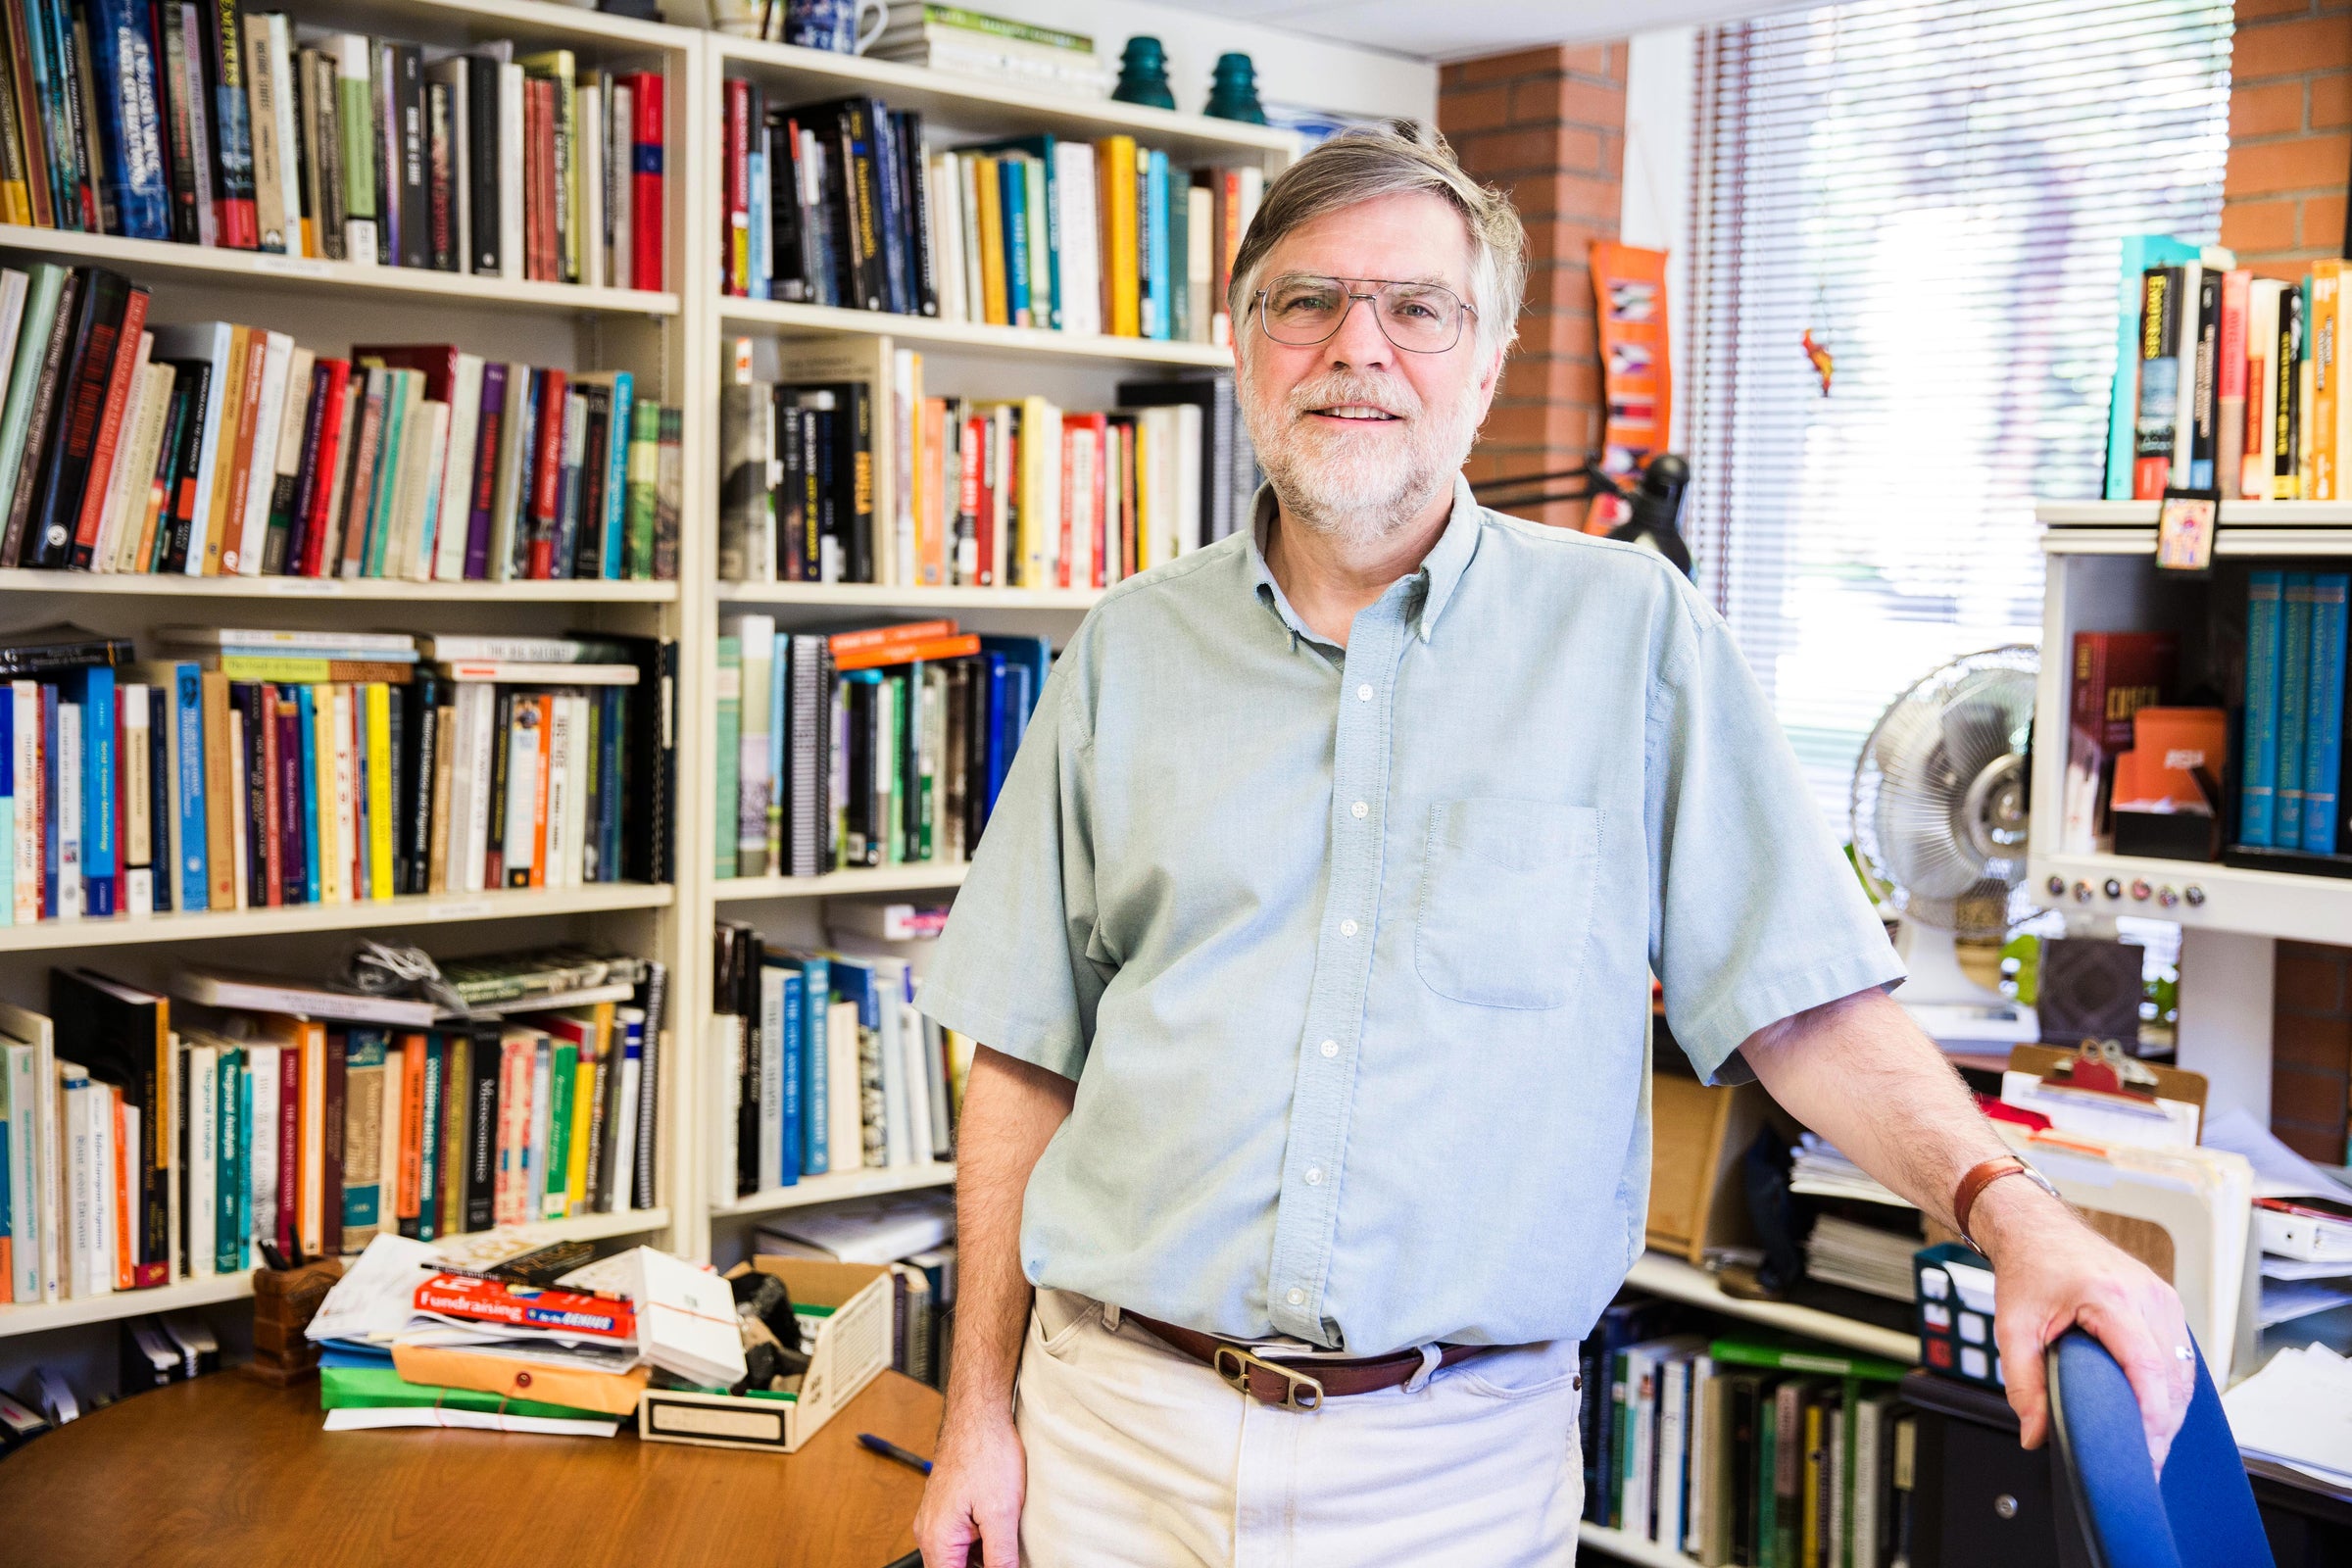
(1440, 574)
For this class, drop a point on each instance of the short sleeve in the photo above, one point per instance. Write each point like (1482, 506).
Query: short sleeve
(1011, 969)
(1756, 913)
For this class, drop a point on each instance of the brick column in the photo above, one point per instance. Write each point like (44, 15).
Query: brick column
(2311, 1049)
(2290, 133)
(1547, 127)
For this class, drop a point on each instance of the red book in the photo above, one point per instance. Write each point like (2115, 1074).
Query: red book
(547, 478)
(2116, 674)
(645, 169)
(437, 363)
(543, 178)
(273, 807)
(981, 498)
(110, 431)
(289, 1150)
(333, 1110)
(315, 551)
(736, 221)
(849, 642)
(480, 1300)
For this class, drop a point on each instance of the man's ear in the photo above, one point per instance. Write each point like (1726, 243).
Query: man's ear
(1490, 379)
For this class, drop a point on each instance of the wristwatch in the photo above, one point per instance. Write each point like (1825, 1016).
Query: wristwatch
(1982, 1175)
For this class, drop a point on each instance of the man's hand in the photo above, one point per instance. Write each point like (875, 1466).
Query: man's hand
(2055, 1272)
(974, 1495)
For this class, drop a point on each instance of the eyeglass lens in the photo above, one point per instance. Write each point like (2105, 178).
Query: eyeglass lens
(1419, 317)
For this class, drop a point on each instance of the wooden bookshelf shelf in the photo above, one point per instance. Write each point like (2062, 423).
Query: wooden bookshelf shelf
(1623, 1548)
(880, 596)
(1678, 1281)
(148, 259)
(175, 586)
(784, 315)
(985, 105)
(35, 1317)
(431, 909)
(878, 879)
(832, 1189)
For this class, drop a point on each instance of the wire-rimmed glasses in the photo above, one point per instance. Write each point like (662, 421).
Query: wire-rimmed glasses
(1302, 309)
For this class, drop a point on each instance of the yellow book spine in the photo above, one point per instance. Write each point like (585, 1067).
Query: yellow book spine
(1810, 1513)
(16, 202)
(379, 790)
(583, 1102)
(1122, 282)
(233, 408)
(992, 240)
(323, 822)
(2327, 359)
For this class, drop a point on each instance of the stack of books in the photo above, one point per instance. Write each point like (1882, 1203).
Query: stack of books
(213, 449)
(250, 768)
(977, 44)
(247, 131)
(840, 204)
(824, 1065)
(2227, 381)
(880, 747)
(2290, 775)
(155, 1139)
(1016, 492)
(1740, 1451)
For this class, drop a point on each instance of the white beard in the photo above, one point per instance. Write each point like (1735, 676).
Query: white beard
(1358, 488)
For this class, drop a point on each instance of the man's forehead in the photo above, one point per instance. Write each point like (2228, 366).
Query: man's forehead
(1409, 237)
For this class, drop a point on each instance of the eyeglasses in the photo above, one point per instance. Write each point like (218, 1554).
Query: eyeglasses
(1302, 310)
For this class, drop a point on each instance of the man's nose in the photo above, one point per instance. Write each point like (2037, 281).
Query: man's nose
(1359, 341)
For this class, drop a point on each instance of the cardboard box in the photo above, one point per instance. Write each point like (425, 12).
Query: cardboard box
(853, 1348)
(1698, 1135)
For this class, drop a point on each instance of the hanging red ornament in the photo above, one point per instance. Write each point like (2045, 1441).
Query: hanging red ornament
(1820, 358)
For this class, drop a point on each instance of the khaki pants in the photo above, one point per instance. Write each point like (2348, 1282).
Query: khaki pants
(1139, 1457)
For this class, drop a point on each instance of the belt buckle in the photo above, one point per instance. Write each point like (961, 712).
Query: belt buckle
(1299, 1392)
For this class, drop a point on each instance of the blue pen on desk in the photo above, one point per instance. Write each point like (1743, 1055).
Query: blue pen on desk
(891, 1450)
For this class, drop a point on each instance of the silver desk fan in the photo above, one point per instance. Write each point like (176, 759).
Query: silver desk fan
(1940, 805)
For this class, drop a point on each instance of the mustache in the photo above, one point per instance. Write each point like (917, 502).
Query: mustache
(1341, 387)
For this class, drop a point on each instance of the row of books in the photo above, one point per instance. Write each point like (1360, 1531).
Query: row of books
(885, 746)
(2233, 382)
(213, 449)
(980, 44)
(253, 768)
(247, 131)
(982, 493)
(822, 1065)
(1743, 1452)
(841, 204)
(2291, 765)
(184, 1138)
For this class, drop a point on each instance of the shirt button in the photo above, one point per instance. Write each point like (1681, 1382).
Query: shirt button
(1346, 928)
(1297, 1297)
(1314, 1175)
(1358, 810)
(1330, 1047)
(1363, 693)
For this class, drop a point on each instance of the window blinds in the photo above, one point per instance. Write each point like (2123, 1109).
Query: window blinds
(1935, 192)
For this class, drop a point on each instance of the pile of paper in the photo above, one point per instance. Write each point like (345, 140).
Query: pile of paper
(2300, 1252)
(2298, 1411)
(402, 1343)
(1862, 1257)
(1820, 1170)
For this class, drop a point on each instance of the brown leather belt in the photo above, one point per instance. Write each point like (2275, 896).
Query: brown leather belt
(1303, 1386)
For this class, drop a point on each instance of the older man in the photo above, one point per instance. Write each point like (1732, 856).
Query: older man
(1309, 948)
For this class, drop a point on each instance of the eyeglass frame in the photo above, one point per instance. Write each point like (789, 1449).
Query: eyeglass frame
(1258, 302)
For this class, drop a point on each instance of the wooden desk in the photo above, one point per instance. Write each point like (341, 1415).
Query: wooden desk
(225, 1470)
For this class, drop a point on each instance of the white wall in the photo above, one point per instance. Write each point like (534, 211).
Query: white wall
(1661, 86)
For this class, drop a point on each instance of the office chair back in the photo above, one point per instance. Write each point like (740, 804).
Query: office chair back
(2200, 1515)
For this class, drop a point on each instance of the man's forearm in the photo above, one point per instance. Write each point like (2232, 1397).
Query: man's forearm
(1010, 1110)
(1862, 1075)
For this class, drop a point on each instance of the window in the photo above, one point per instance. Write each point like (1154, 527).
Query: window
(1935, 192)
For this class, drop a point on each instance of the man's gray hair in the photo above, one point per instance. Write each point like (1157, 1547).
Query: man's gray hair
(1368, 163)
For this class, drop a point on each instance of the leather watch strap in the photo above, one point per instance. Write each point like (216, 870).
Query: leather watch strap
(1297, 1385)
(1983, 1174)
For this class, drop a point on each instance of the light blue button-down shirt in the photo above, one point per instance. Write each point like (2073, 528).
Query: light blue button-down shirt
(1349, 949)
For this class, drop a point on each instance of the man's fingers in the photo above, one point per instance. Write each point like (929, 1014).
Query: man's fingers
(945, 1544)
(2021, 1370)
(2145, 1350)
(999, 1541)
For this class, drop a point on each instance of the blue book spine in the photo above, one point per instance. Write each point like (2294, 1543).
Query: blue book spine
(1163, 317)
(816, 990)
(794, 1032)
(50, 824)
(40, 28)
(1013, 185)
(129, 119)
(187, 716)
(229, 1145)
(8, 808)
(2323, 723)
(616, 467)
(243, 1229)
(306, 707)
(756, 170)
(98, 792)
(2295, 706)
(897, 260)
(1054, 240)
(608, 744)
(998, 757)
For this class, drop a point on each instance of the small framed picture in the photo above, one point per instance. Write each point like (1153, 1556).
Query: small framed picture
(2184, 529)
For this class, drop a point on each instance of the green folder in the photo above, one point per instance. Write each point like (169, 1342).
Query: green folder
(381, 1387)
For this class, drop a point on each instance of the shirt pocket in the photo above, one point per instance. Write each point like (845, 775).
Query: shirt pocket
(1507, 901)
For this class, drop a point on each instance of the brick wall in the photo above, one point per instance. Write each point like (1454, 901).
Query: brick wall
(2311, 1049)
(1548, 125)
(2290, 133)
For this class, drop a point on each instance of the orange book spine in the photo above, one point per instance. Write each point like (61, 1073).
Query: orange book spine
(546, 723)
(412, 1128)
(126, 1165)
(1122, 282)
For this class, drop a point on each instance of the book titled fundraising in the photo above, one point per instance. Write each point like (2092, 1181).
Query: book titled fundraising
(480, 1300)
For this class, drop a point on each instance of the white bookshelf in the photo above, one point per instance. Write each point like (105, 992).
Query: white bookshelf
(969, 337)
(409, 910)
(1680, 1281)
(351, 590)
(837, 1186)
(213, 1288)
(922, 877)
(863, 596)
